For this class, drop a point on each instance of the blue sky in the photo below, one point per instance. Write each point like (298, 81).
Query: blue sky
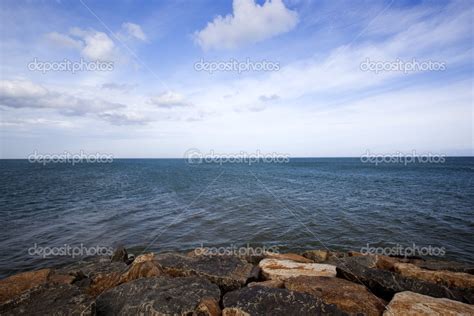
(319, 102)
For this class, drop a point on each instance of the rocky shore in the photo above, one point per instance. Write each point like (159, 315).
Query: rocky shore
(316, 282)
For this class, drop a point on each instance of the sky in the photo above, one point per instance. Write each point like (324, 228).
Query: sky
(296, 77)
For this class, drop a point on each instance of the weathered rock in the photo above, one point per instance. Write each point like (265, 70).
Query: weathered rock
(47, 299)
(16, 284)
(317, 256)
(409, 303)
(141, 269)
(274, 269)
(349, 297)
(96, 275)
(228, 272)
(249, 256)
(269, 283)
(368, 261)
(260, 300)
(120, 255)
(288, 256)
(385, 283)
(448, 278)
(444, 265)
(161, 296)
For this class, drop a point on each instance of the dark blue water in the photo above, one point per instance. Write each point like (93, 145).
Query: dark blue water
(306, 203)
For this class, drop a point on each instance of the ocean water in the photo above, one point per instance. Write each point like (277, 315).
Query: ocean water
(163, 205)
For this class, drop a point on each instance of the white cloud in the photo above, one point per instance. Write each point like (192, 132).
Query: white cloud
(26, 94)
(169, 99)
(249, 23)
(64, 40)
(134, 30)
(91, 44)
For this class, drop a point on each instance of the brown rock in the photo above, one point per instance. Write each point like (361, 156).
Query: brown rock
(274, 269)
(386, 263)
(288, 256)
(16, 284)
(269, 283)
(317, 256)
(349, 297)
(146, 269)
(448, 278)
(414, 304)
(208, 306)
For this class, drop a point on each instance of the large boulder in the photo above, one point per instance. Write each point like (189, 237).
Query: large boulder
(414, 304)
(259, 300)
(448, 278)
(350, 297)
(274, 269)
(229, 272)
(386, 283)
(16, 284)
(51, 299)
(161, 296)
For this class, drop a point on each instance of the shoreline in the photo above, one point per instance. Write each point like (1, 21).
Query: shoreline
(198, 283)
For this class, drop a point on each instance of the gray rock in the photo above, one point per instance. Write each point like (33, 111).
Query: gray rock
(228, 272)
(386, 283)
(158, 296)
(260, 300)
(54, 300)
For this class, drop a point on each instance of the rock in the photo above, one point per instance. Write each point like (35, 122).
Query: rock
(409, 303)
(274, 269)
(368, 261)
(317, 256)
(16, 284)
(288, 256)
(142, 267)
(208, 306)
(385, 283)
(349, 297)
(448, 278)
(269, 283)
(259, 300)
(229, 272)
(97, 275)
(161, 296)
(249, 256)
(444, 265)
(119, 255)
(387, 263)
(48, 299)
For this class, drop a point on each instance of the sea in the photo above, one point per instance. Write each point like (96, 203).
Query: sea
(423, 209)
